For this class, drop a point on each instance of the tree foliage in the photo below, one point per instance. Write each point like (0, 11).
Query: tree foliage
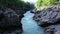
(16, 3)
(47, 2)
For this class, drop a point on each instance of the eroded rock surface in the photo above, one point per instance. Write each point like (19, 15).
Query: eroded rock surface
(53, 29)
(49, 19)
(48, 16)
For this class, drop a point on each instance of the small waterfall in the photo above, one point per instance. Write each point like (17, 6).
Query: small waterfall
(29, 25)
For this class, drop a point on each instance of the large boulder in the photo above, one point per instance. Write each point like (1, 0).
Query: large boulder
(47, 16)
(10, 21)
(48, 19)
(53, 29)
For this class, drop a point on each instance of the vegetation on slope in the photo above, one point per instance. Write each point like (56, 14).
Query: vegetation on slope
(45, 3)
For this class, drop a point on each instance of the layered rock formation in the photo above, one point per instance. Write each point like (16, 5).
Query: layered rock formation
(10, 21)
(49, 19)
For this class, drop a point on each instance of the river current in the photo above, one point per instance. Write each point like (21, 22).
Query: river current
(29, 25)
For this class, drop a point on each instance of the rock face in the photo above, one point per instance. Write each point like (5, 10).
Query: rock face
(53, 29)
(49, 19)
(10, 22)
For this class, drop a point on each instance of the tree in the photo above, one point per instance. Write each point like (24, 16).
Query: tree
(16, 3)
(47, 2)
(38, 3)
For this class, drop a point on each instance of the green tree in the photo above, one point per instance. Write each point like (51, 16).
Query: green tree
(16, 3)
(38, 3)
(47, 2)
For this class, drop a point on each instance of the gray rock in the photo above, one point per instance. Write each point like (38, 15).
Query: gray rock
(10, 21)
(49, 19)
(53, 29)
(47, 16)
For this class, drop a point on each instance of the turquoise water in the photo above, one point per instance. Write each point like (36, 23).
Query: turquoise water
(29, 25)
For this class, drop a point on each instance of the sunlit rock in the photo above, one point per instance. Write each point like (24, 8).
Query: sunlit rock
(49, 19)
(47, 16)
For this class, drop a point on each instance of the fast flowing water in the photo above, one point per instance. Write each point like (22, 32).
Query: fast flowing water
(29, 25)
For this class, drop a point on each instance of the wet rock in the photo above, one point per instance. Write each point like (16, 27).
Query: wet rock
(48, 16)
(10, 21)
(34, 10)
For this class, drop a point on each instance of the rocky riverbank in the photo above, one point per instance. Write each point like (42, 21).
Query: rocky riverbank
(49, 19)
(10, 21)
